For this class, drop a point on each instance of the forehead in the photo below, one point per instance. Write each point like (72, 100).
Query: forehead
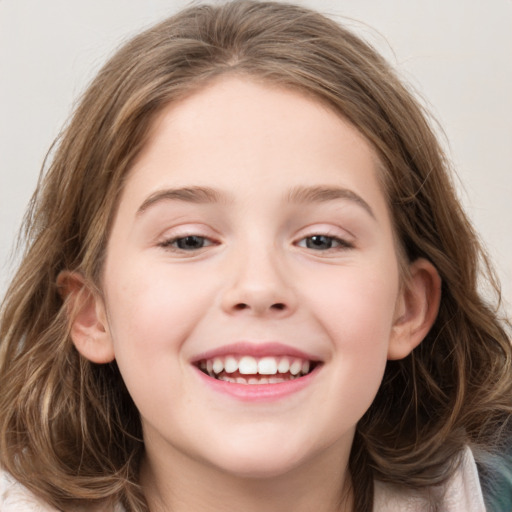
(234, 126)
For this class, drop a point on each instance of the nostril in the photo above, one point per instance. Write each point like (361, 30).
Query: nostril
(278, 306)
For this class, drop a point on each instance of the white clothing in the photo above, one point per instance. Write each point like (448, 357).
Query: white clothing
(462, 493)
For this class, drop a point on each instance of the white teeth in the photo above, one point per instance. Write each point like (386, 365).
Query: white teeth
(218, 365)
(248, 365)
(231, 364)
(267, 366)
(284, 365)
(296, 367)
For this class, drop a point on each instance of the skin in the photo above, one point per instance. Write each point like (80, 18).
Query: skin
(253, 276)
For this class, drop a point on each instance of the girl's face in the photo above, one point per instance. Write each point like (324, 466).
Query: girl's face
(251, 285)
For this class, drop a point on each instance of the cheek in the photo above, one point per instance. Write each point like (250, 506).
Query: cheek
(356, 311)
(357, 306)
(151, 313)
(358, 317)
(152, 309)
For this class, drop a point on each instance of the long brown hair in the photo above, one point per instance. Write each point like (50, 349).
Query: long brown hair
(68, 428)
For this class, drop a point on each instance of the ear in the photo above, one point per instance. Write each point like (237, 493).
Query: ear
(87, 318)
(416, 308)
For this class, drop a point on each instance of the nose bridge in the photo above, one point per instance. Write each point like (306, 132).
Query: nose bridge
(259, 282)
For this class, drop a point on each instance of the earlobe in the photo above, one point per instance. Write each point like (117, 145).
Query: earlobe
(416, 309)
(87, 319)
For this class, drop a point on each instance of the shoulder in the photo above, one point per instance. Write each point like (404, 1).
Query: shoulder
(461, 493)
(14, 497)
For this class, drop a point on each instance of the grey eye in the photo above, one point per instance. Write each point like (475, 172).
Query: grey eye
(324, 243)
(190, 243)
(320, 242)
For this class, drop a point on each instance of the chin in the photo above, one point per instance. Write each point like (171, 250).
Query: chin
(261, 462)
(251, 469)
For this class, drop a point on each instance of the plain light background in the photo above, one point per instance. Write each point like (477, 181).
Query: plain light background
(457, 55)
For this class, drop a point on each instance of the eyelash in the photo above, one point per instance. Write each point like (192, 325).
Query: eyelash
(339, 243)
(173, 243)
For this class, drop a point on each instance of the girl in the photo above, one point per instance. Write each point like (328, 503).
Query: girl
(249, 284)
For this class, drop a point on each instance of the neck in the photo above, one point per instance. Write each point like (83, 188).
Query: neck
(322, 485)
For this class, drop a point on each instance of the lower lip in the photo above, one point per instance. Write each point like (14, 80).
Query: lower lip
(258, 392)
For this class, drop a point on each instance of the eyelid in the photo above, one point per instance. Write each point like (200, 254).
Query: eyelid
(173, 234)
(324, 229)
(183, 229)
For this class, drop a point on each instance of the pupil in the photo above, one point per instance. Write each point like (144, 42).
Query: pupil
(319, 242)
(190, 242)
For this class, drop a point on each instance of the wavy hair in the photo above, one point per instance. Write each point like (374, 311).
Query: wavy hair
(68, 428)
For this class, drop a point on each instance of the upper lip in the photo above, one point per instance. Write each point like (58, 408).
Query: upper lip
(257, 350)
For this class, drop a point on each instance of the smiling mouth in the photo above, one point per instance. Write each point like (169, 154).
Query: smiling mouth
(256, 370)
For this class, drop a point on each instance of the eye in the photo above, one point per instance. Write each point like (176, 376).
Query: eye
(323, 243)
(187, 243)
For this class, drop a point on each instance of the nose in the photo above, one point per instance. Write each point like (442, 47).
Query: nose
(259, 285)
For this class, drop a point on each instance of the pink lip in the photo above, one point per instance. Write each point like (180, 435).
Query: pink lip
(258, 392)
(244, 348)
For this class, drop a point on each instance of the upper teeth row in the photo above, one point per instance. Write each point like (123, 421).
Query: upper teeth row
(248, 365)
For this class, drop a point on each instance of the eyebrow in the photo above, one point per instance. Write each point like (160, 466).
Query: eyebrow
(300, 195)
(321, 194)
(198, 195)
